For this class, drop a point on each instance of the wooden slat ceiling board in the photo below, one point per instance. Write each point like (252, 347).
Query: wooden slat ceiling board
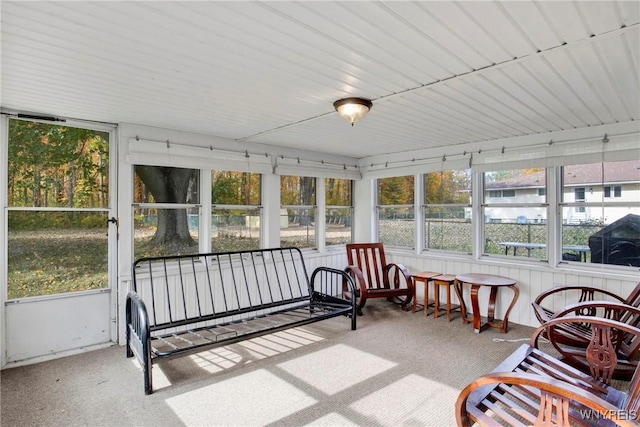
(440, 74)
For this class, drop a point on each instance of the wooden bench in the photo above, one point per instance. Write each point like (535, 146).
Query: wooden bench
(531, 387)
(184, 304)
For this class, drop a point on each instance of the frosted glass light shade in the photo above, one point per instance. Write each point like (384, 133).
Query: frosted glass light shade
(352, 109)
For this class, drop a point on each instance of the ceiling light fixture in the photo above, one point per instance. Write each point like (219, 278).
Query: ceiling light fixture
(352, 109)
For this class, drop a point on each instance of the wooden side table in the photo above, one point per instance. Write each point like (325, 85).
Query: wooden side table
(425, 277)
(447, 280)
(494, 283)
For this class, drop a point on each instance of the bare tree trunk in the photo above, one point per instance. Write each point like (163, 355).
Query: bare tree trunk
(169, 185)
(71, 183)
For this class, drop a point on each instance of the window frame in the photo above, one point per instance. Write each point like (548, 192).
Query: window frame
(221, 206)
(327, 207)
(467, 207)
(304, 207)
(411, 210)
(484, 219)
(602, 203)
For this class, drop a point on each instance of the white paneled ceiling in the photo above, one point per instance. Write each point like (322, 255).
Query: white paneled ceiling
(439, 73)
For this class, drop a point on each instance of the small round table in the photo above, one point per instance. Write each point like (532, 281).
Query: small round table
(494, 282)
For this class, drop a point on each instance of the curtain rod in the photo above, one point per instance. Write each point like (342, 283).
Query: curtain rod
(502, 150)
(248, 154)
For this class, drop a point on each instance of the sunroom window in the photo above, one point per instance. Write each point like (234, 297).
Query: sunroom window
(515, 222)
(166, 211)
(298, 211)
(236, 212)
(396, 216)
(447, 210)
(338, 210)
(601, 213)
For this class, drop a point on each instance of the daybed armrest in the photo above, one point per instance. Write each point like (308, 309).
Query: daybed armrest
(333, 284)
(137, 326)
(139, 336)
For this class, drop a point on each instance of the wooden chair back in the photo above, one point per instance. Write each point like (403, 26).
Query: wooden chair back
(370, 259)
(633, 400)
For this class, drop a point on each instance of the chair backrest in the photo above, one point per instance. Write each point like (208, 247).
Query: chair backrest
(634, 297)
(633, 319)
(370, 259)
(632, 404)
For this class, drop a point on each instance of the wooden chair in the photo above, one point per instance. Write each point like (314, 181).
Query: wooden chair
(571, 294)
(531, 387)
(626, 310)
(375, 278)
(571, 339)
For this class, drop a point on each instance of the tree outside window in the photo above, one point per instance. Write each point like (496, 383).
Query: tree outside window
(339, 210)
(396, 216)
(166, 211)
(236, 211)
(298, 211)
(447, 210)
(58, 200)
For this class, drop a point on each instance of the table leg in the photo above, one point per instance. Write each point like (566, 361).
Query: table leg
(491, 310)
(458, 287)
(475, 306)
(426, 297)
(436, 299)
(505, 322)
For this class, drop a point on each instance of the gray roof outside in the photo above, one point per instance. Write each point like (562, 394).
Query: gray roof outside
(617, 172)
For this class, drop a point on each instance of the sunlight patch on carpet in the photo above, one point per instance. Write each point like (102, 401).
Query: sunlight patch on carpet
(336, 368)
(279, 342)
(216, 360)
(412, 400)
(225, 403)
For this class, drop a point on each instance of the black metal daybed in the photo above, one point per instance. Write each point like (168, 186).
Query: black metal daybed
(184, 304)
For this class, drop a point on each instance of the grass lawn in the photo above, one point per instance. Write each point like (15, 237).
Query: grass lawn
(51, 261)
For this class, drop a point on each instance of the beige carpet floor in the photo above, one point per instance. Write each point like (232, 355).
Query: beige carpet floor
(397, 369)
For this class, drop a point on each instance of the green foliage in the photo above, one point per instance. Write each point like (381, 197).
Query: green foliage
(235, 188)
(338, 192)
(579, 234)
(397, 190)
(41, 220)
(297, 190)
(57, 166)
(449, 186)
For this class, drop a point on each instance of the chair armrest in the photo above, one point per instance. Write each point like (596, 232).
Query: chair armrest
(361, 284)
(400, 272)
(599, 354)
(600, 308)
(543, 313)
(628, 343)
(585, 290)
(470, 400)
